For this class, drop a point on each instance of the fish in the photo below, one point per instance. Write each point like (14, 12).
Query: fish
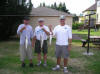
(26, 42)
(50, 38)
(41, 40)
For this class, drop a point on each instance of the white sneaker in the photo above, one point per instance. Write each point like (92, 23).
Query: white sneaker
(45, 65)
(56, 68)
(65, 70)
(39, 63)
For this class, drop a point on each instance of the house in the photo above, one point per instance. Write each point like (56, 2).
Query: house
(51, 16)
(81, 18)
(95, 8)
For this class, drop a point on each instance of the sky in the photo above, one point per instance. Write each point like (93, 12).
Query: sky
(74, 6)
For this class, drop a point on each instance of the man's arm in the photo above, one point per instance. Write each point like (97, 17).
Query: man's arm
(70, 38)
(23, 29)
(46, 31)
(70, 44)
(20, 29)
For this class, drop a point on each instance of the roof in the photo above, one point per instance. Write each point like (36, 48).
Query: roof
(44, 11)
(92, 8)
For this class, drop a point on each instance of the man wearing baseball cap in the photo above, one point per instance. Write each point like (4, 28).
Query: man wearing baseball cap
(25, 32)
(63, 34)
(40, 40)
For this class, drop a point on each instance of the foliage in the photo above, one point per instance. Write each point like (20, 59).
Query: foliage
(76, 25)
(60, 7)
(75, 18)
(9, 15)
(85, 32)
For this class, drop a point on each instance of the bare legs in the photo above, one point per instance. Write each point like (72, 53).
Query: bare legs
(65, 61)
(39, 57)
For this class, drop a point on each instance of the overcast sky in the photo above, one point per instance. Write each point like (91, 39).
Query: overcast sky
(74, 6)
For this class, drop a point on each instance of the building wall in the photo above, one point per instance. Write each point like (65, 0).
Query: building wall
(49, 20)
(98, 12)
(81, 19)
(89, 12)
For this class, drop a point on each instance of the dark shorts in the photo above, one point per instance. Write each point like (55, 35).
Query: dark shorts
(38, 47)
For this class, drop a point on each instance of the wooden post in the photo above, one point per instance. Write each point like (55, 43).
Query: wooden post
(88, 47)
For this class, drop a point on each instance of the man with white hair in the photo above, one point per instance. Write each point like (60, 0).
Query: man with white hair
(40, 41)
(63, 34)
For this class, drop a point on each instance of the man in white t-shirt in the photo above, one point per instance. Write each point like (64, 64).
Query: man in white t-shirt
(63, 34)
(40, 40)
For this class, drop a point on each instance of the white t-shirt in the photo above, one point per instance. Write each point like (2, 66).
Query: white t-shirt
(62, 33)
(39, 31)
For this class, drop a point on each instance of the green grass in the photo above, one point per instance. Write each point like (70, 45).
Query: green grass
(93, 32)
(78, 63)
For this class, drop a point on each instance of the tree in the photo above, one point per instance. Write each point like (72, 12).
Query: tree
(60, 7)
(9, 16)
(40, 5)
(55, 5)
(44, 5)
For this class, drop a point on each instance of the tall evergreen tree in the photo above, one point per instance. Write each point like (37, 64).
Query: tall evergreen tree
(9, 16)
(55, 5)
(44, 5)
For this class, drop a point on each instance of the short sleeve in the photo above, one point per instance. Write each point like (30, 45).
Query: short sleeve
(70, 33)
(54, 31)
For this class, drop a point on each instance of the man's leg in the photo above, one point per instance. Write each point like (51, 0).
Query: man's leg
(58, 61)
(65, 55)
(45, 51)
(22, 55)
(45, 58)
(30, 55)
(58, 55)
(39, 59)
(65, 62)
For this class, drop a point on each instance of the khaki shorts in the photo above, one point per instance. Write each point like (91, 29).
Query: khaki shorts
(62, 51)
(25, 52)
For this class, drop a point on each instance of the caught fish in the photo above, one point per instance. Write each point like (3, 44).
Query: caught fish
(41, 39)
(50, 40)
(26, 41)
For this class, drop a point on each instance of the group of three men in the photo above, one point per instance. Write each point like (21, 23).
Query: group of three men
(62, 32)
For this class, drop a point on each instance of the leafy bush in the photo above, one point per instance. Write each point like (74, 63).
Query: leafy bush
(76, 25)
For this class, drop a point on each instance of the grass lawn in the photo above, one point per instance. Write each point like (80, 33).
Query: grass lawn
(93, 32)
(78, 63)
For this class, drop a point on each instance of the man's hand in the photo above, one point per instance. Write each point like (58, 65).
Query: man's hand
(69, 47)
(23, 29)
(42, 28)
(33, 44)
(45, 31)
(50, 27)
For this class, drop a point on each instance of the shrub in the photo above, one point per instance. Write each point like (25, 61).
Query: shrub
(76, 25)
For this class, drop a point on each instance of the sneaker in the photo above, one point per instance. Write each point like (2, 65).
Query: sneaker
(45, 65)
(65, 70)
(56, 68)
(23, 65)
(39, 63)
(31, 65)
